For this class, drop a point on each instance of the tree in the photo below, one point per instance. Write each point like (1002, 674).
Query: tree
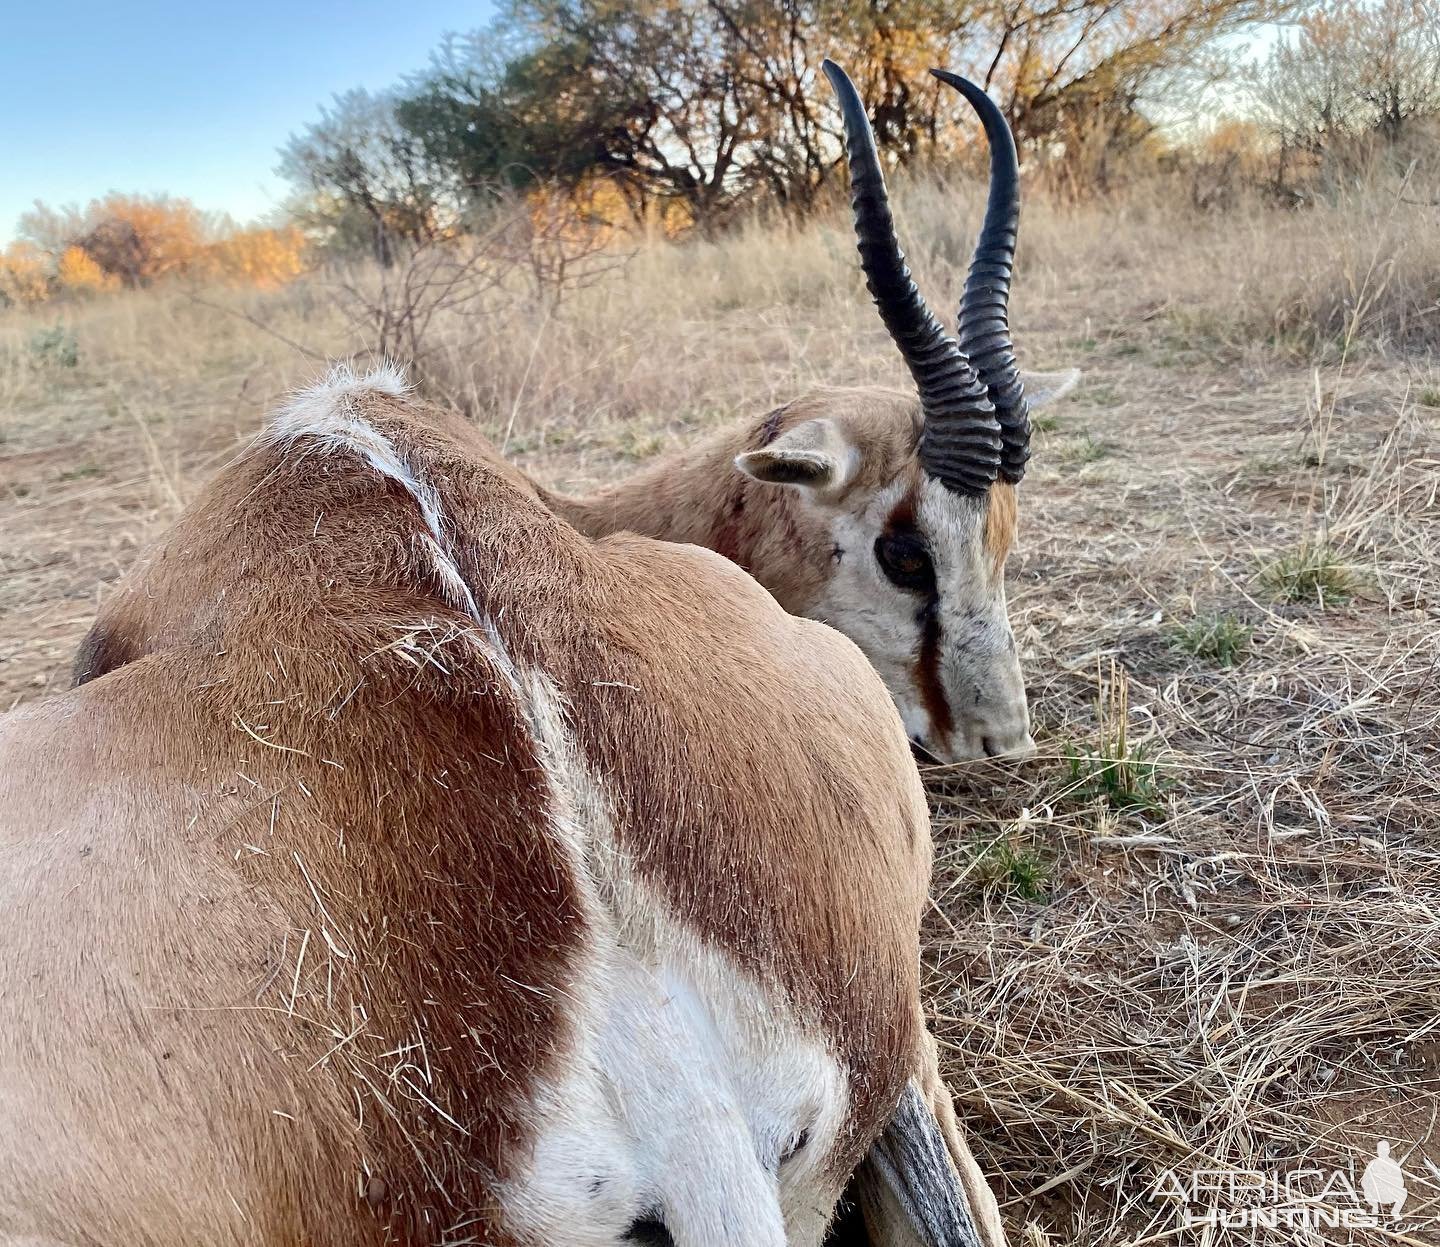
(263, 258)
(1352, 68)
(366, 179)
(717, 105)
(651, 95)
(77, 273)
(134, 239)
(24, 277)
(730, 103)
(503, 119)
(1398, 49)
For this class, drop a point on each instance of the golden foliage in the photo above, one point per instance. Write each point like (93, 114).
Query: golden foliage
(264, 258)
(130, 241)
(24, 275)
(77, 273)
(139, 240)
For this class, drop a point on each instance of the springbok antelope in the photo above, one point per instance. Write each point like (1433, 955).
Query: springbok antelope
(895, 512)
(406, 867)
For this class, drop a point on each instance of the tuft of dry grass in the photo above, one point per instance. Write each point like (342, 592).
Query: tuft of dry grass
(1203, 928)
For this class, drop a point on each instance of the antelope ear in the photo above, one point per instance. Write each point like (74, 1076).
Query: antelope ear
(815, 454)
(1044, 388)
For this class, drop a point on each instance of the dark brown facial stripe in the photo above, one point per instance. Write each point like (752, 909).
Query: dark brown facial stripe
(902, 514)
(927, 660)
(927, 673)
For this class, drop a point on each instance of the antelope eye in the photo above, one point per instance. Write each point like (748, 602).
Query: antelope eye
(905, 560)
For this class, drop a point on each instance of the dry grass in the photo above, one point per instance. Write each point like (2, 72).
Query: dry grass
(1203, 930)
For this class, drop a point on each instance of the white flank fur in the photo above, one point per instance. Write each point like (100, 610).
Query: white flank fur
(689, 1084)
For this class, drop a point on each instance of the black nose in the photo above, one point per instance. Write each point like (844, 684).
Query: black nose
(922, 754)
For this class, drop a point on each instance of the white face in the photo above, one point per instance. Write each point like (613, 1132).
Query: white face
(911, 579)
(914, 586)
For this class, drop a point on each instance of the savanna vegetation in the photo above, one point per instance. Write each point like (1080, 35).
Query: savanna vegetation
(1202, 929)
(123, 242)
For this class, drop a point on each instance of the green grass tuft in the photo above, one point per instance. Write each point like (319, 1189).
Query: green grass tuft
(55, 347)
(1122, 775)
(80, 472)
(1081, 450)
(1126, 779)
(1313, 574)
(1220, 639)
(1019, 869)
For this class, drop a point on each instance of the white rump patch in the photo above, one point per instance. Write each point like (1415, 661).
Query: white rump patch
(327, 411)
(690, 1094)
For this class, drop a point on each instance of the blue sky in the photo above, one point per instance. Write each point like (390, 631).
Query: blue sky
(190, 99)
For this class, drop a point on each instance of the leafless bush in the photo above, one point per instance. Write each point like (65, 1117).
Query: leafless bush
(529, 252)
(392, 309)
(561, 248)
(1355, 79)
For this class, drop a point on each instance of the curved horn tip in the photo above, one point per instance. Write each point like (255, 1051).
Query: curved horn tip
(979, 98)
(954, 79)
(844, 87)
(952, 397)
(984, 333)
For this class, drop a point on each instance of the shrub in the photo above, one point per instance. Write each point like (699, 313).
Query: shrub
(77, 273)
(56, 347)
(23, 276)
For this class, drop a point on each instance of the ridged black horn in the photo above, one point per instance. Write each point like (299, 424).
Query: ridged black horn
(984, 322)
(961, 443)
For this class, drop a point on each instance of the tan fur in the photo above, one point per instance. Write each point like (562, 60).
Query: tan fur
(802, 499)
(291, 940)
(1000, 521)
(697, 496)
